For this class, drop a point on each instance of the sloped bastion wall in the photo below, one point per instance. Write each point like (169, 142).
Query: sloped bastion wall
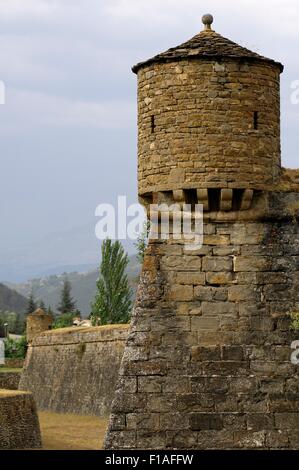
(74, 370)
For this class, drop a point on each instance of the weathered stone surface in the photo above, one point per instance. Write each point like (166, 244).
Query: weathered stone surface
(217, 263)
(183, 293)
(204, 421)
(195, 279)
(228, 374)
(9, 380)
(19, 426)
(219, 278)
(75, 370)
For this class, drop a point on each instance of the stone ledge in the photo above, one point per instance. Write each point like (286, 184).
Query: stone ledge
(76, 335)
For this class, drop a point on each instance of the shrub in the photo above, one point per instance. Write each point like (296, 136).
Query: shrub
(15, 348)
(65, 320)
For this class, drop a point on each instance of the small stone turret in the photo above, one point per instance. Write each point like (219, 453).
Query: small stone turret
(37, 322)
(209, 122)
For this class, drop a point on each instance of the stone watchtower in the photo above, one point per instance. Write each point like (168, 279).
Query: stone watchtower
(207, 362)
(37, 322)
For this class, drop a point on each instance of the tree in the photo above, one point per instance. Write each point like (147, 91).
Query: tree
(20, 325)
(42, 305)
(31, 304)
(113, 301)
(15, 348)
(78, 313)
(50, 311)
(65, 320)
(67, 304)
(15, 322)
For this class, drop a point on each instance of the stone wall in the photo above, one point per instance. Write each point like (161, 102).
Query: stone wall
(9, 380)
(197, 125)
(74, 370)
(13, 363)
(19, 425)
(207, 363)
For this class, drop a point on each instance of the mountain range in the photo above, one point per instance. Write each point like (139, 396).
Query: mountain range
(11, 300)
(41, 266)
(48, 288)
(74, 250)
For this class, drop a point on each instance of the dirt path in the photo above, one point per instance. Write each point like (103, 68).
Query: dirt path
(72, 432)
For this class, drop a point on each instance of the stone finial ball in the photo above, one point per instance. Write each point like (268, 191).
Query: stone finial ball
(207, 19)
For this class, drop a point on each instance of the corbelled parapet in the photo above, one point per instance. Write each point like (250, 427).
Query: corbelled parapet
(207, 364)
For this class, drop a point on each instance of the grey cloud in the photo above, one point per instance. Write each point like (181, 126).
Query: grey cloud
(68, 130)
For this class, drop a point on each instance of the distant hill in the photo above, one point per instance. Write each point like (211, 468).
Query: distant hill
(76, 250)
(83, 286)
(11, 300)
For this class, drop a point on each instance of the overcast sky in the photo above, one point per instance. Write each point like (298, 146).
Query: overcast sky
(68, 128)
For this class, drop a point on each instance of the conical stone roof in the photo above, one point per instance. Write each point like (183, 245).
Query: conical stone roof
(39, 313)
(207, 45)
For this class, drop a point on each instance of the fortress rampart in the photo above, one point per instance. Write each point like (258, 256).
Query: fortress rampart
(74, 370)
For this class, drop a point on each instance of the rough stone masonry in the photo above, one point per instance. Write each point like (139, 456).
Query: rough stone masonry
(19, 425)
(207, 362)
(9, 380)
(74, 370)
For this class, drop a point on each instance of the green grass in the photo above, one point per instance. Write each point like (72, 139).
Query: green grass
(7, 369)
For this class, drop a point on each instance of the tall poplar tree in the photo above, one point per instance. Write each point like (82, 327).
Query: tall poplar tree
(113, 301)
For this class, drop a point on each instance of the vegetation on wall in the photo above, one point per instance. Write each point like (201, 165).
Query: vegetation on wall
(142, 242)
(113, 301)
(295, 321)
